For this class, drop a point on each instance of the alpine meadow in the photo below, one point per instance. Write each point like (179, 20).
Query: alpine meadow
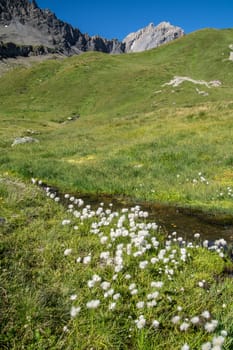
(150, 127)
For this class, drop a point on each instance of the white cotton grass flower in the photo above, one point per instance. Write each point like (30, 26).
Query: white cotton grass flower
(155, 324)
(143, 264)
(195, 320)
(140, 322)
(206, 314)
(116, 296)
(184, 326)
(73, 297)
(105, 255)
(206, 346)
(185, 347)
(103, 239)
(134, 291)
(105, 285)
(210, 326)
(87, 259)
(33, 181)
(96, 278)
(201, 284)
(118, 268)
(176, 319)
(216, 347)
(140, 305)
(65, 222)
(218, 341)
(65, 329)
(109, 293)
(132, 286)
(93, 304)
(91, 283)
(74, 311)
(153, 295)
(112, 306)
(151, 303)
(158, 284)
(224, 333)
(67, 251)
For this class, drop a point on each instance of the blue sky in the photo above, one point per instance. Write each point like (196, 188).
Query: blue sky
(118, 18)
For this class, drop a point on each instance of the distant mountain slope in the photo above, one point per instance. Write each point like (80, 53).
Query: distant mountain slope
(142, 125)
(25, 30)
(152, 36)
(24, 24)
(93, 83)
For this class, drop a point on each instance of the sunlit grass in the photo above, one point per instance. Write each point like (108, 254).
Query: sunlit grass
(134, 137)
(99, 278)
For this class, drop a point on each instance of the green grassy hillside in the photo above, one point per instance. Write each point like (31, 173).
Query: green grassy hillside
(74, 277)
(135, 135)
(76, 280)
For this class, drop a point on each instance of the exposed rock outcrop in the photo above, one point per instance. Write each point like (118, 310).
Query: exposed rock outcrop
(151, 36)
(27, 30)
(24, 25)
(21, 140)
(176, 81)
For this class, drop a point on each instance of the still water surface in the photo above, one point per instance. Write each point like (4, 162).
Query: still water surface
(184, 221)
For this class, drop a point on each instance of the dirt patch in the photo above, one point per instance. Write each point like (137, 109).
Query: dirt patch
(81, 160)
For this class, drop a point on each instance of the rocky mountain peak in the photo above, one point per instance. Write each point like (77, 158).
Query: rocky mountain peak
(24, 24)
(151, 36)
(26, 30)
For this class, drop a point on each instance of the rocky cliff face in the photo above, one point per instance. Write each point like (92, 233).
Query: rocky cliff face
(23, 23)
(151, 37)
(26, 30)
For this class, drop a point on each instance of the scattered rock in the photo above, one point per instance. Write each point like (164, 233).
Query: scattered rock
(151, 36)
(215, 83)
(176, 81)
(231, 53)
(21, 140)
(32, 132)
(74, 117)
(2, 221)
(203, 93)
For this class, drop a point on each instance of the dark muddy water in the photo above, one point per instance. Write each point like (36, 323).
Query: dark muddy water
(185, 222)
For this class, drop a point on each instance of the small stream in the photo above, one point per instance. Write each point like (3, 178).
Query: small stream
(186, 222)
(170, 218)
